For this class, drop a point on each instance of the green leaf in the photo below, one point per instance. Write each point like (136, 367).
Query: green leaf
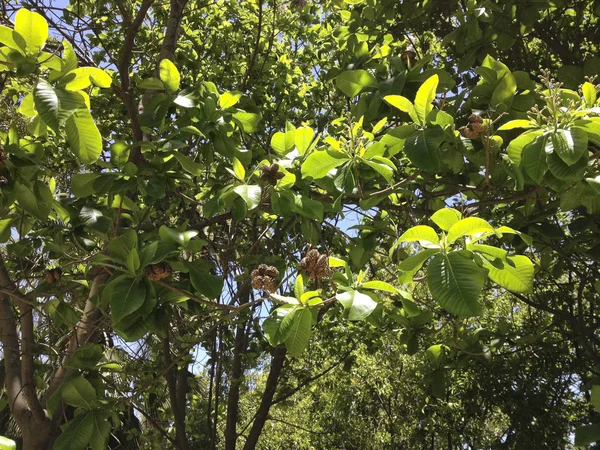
(589, 93)
(229, 99)
(595, 397)
(133, 261)
(519, 123)
(469, 227)
(422, 233)
(299, 287)
(352, 82)
(534, 159)
(570, 145)
(7, 444)
(152, 83)
(238, 169)
(203, 280)
(505, 91)
(357, 306)
(515, 147)
(33, 28)
(12, 39)
(251, 194)
(76, 433)
(379, 286)
(455, 282)
(169, 75)
(84, 184)
(83, 136)
(422, 148)
(30, 202)
(424, 98)
(436, 355)
(188, 164)
(414, 263)
(83, 77)
(516, 275)
(46, 103)
(587, 434)
(303, 138)
(403, 104)
(247, 121)
(296, 327)
(318, 164)
(168, 235)
(283, 143)
(445, 218)
(79, 392)
(127, 295)
(563, 171)
(100, 431)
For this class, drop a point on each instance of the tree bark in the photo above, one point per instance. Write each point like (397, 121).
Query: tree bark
(233, 398)
(177, 403)
(267, 399)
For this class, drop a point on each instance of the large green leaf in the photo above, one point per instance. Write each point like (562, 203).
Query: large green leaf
(516, 274)
(422, 148)
(33, 28)
(534, 159)
(446, 217)
(318, 164)
(12, 39)
(515, 147)
(127, 295)
(251, 194)
(303, 137)
(357, 306)
(30, 202)
(469, 227)
(7, 444)
(422, 233)
(563, 171)
(46, 103)
(352, 82)
(203, 280)
(587, 434)
(505, 91)
(283, 143)
(76, 433)
(169, 75)
(414, 263)
(83, 77)
(79, 392)
(455, 282)
(100, 431)
(570, 145)
(403, 104)
(424, 98)
(247, 121)
(296, 327)
(83, 136)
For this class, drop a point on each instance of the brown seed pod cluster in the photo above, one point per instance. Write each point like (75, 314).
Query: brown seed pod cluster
(271, 174)
(156, 272)
(53, 275)
(263, 277)
(315, 265)
(474, 129)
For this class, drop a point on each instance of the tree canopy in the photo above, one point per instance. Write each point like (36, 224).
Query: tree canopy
(273, 224)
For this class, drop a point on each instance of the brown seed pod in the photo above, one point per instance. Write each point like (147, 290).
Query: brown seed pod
(255, 273)
(475, 118)
(156, 272)
(476, 127)
(272, 272)
(269, 284)
(257, 282)
(408, 57)
(48, 276)
(56, 273)
(262, 268)
(468, 132)
(271, 174)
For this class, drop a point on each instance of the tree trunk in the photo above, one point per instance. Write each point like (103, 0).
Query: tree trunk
(267, 399)
(234, 388)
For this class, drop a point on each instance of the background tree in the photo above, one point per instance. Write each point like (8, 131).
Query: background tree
(267, 224)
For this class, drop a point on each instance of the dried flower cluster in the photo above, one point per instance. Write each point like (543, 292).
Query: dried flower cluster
(53, 275)
(315, 264)
(156, 272)
(271, 174)
(474, 129)
(263, 277)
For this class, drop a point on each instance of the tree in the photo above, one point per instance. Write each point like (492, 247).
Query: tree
(286, 189)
